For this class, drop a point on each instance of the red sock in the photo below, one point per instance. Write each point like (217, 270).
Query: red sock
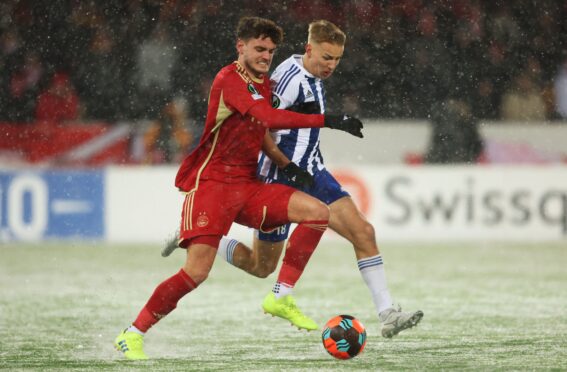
(300, 247)
(164, 300)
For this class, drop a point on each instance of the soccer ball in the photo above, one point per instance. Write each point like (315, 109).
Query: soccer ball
(344, 337)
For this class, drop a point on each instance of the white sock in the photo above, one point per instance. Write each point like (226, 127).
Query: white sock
(226, 248)
(372, 271)
(281, 289)
(135, 330)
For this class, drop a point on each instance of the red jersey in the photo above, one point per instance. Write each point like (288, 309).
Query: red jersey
(228, 150)
(232, 138)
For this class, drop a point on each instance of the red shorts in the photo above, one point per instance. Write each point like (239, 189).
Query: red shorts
(214, 206)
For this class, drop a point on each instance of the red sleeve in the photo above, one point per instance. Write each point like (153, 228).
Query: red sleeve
(283, 119)
(246, 99)
(238, 94)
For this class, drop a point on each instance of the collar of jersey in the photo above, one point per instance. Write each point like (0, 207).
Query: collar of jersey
(243, 71)
(298, 60)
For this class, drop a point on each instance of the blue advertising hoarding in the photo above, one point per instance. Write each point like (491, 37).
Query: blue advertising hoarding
(51, 204)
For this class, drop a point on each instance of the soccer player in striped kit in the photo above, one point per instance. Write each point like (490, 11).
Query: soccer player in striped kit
(292, 157)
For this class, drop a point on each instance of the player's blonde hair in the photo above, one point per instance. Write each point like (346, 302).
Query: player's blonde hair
(322, 31)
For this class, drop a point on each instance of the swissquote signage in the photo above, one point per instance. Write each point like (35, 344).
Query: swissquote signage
(425, 203)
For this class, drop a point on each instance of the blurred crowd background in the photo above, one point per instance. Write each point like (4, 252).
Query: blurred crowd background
(111, 61)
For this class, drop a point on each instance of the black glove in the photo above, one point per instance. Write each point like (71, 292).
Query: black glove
(345, 123)
(299, 178)
(306, 108)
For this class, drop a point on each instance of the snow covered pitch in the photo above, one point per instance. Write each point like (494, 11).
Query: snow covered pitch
(487, 307)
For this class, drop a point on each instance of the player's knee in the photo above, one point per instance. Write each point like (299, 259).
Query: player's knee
(265, 268)
(317, 211)
(367, 231)
(263, 272)
(364, 238)
(199, 276)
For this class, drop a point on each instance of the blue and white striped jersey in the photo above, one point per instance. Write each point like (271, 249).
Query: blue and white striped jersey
(292, 84)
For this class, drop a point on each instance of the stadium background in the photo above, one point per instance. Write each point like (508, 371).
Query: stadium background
(462, 171)
(99, 84)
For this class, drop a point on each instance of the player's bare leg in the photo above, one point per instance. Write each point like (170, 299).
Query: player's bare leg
(198, 263)
(259, 261)
(312, 218)
(351, 224)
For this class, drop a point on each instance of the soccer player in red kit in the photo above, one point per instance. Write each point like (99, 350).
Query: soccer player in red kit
(219, 180)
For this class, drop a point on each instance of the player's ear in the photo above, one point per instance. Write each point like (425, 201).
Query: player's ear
(240, 46)
(308, 49)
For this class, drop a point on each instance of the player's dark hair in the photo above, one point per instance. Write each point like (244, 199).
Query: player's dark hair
(256, 27)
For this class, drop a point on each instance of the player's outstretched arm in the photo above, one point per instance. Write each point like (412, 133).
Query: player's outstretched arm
(283, 119)
(272, 150)
(342, 122)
